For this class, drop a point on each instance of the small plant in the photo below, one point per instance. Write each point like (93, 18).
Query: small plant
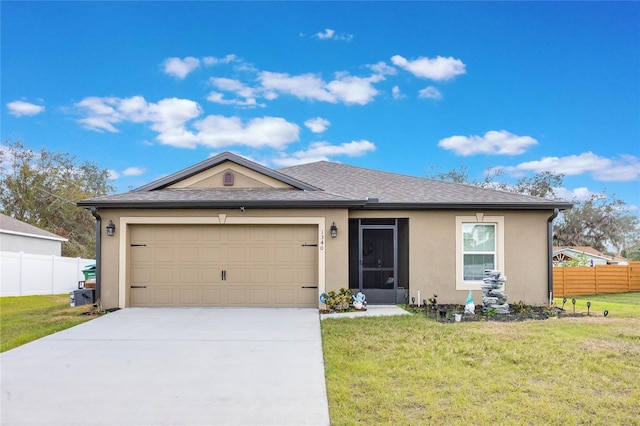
(338, 300)
(433, 302)
(520, 308)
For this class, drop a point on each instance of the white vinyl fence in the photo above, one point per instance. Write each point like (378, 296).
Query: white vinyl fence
(23, 274)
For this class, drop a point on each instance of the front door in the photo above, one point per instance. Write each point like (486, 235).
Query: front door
(378, 262)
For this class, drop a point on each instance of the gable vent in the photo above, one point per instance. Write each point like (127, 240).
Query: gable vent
(228, 179)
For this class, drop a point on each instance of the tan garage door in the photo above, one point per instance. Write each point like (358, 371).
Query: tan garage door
(223, 265)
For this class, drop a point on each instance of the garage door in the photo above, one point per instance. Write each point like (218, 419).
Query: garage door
(223, 265)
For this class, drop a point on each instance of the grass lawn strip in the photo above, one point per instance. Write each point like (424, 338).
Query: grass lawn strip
(27, 318)
(411, 370)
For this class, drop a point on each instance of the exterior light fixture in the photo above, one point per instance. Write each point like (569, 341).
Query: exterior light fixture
(111, 229)
(334, 230)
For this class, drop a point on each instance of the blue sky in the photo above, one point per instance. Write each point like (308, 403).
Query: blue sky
(145, 89)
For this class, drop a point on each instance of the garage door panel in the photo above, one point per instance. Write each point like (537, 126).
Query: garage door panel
(141, 276)
(209, 254)
(162, 275)
(163, 254)
(189, 254)
(284, 276)
(306, 276)
(259, 254)
(264, 265)
(189, 275)
(284, 254)
(257, 297)
(258, 275)
(236, 254)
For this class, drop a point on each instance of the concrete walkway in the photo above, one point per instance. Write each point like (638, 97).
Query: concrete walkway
(171, 366)
(372, 311)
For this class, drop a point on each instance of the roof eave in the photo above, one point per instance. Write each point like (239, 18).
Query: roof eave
(467, 206)
(276, 204)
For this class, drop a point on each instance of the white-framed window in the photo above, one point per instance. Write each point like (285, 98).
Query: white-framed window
(479, 246)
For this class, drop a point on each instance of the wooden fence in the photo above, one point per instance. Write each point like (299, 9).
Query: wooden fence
(569, 281)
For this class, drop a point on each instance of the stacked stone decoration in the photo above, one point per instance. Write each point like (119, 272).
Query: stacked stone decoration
(493, 296)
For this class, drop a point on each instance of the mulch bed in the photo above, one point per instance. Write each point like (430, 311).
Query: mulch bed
(445, 313)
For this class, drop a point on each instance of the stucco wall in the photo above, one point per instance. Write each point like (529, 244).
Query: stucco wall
(432, 247)
(432, 254)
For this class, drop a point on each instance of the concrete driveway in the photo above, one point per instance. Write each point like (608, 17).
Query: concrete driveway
(171, 366)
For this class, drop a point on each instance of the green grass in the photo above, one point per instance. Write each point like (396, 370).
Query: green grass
(27, 318)
(619, 305)
(410, 370)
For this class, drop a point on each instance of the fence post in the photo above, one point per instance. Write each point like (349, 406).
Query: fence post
(597, 278)
(53, 274)
(21, 273)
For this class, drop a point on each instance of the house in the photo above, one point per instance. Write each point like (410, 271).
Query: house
(594, 257)
(230, 232)
(17, 236)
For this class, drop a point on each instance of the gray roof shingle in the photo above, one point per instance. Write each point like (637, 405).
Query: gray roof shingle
(11, 225)
(396, 189)
(322, 184)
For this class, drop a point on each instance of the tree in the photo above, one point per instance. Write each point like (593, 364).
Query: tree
(542, 184)
(601, 222)
(42, 188)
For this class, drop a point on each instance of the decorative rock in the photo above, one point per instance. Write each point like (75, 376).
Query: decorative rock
(493, 296)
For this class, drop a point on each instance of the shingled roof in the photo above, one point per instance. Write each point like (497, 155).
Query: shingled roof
(321, 185)
(10, 225)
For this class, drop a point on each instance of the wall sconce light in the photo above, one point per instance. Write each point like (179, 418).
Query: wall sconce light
(111, 229)
(334, 230)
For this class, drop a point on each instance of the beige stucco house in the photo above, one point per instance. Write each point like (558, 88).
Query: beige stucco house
(230, 232)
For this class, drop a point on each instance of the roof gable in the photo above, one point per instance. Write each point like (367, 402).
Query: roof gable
(210, 174)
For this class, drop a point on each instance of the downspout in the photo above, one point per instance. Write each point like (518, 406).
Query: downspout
(94, 212)
(550, 254)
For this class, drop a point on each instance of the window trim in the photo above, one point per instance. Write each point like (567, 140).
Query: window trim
(461, 283)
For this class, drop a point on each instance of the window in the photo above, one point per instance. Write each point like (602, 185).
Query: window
(478, 250)
(479, 246)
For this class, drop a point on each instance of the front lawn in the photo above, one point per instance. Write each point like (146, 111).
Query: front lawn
(27, 318)
(412, 370)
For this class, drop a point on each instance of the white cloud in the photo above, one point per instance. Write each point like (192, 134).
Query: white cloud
(218, 98)
(383, 69)
(321, 151)
(430, 92)
(329, 34)
(180, 68)
(129, 171)
(236, 87)
(344, 88)
(317, 125)
(169, 117)
(579, 194)
(397, 94)
(133, 171)
(216, 131)
(22, 108)
(493, 143)
(439, 68)
(625, 168)
(211, 60)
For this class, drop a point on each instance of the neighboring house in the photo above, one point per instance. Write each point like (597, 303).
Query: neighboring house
(568, 254)
(230, 232)
(18, 236)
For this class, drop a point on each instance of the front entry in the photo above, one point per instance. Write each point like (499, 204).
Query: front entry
(379, 259)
